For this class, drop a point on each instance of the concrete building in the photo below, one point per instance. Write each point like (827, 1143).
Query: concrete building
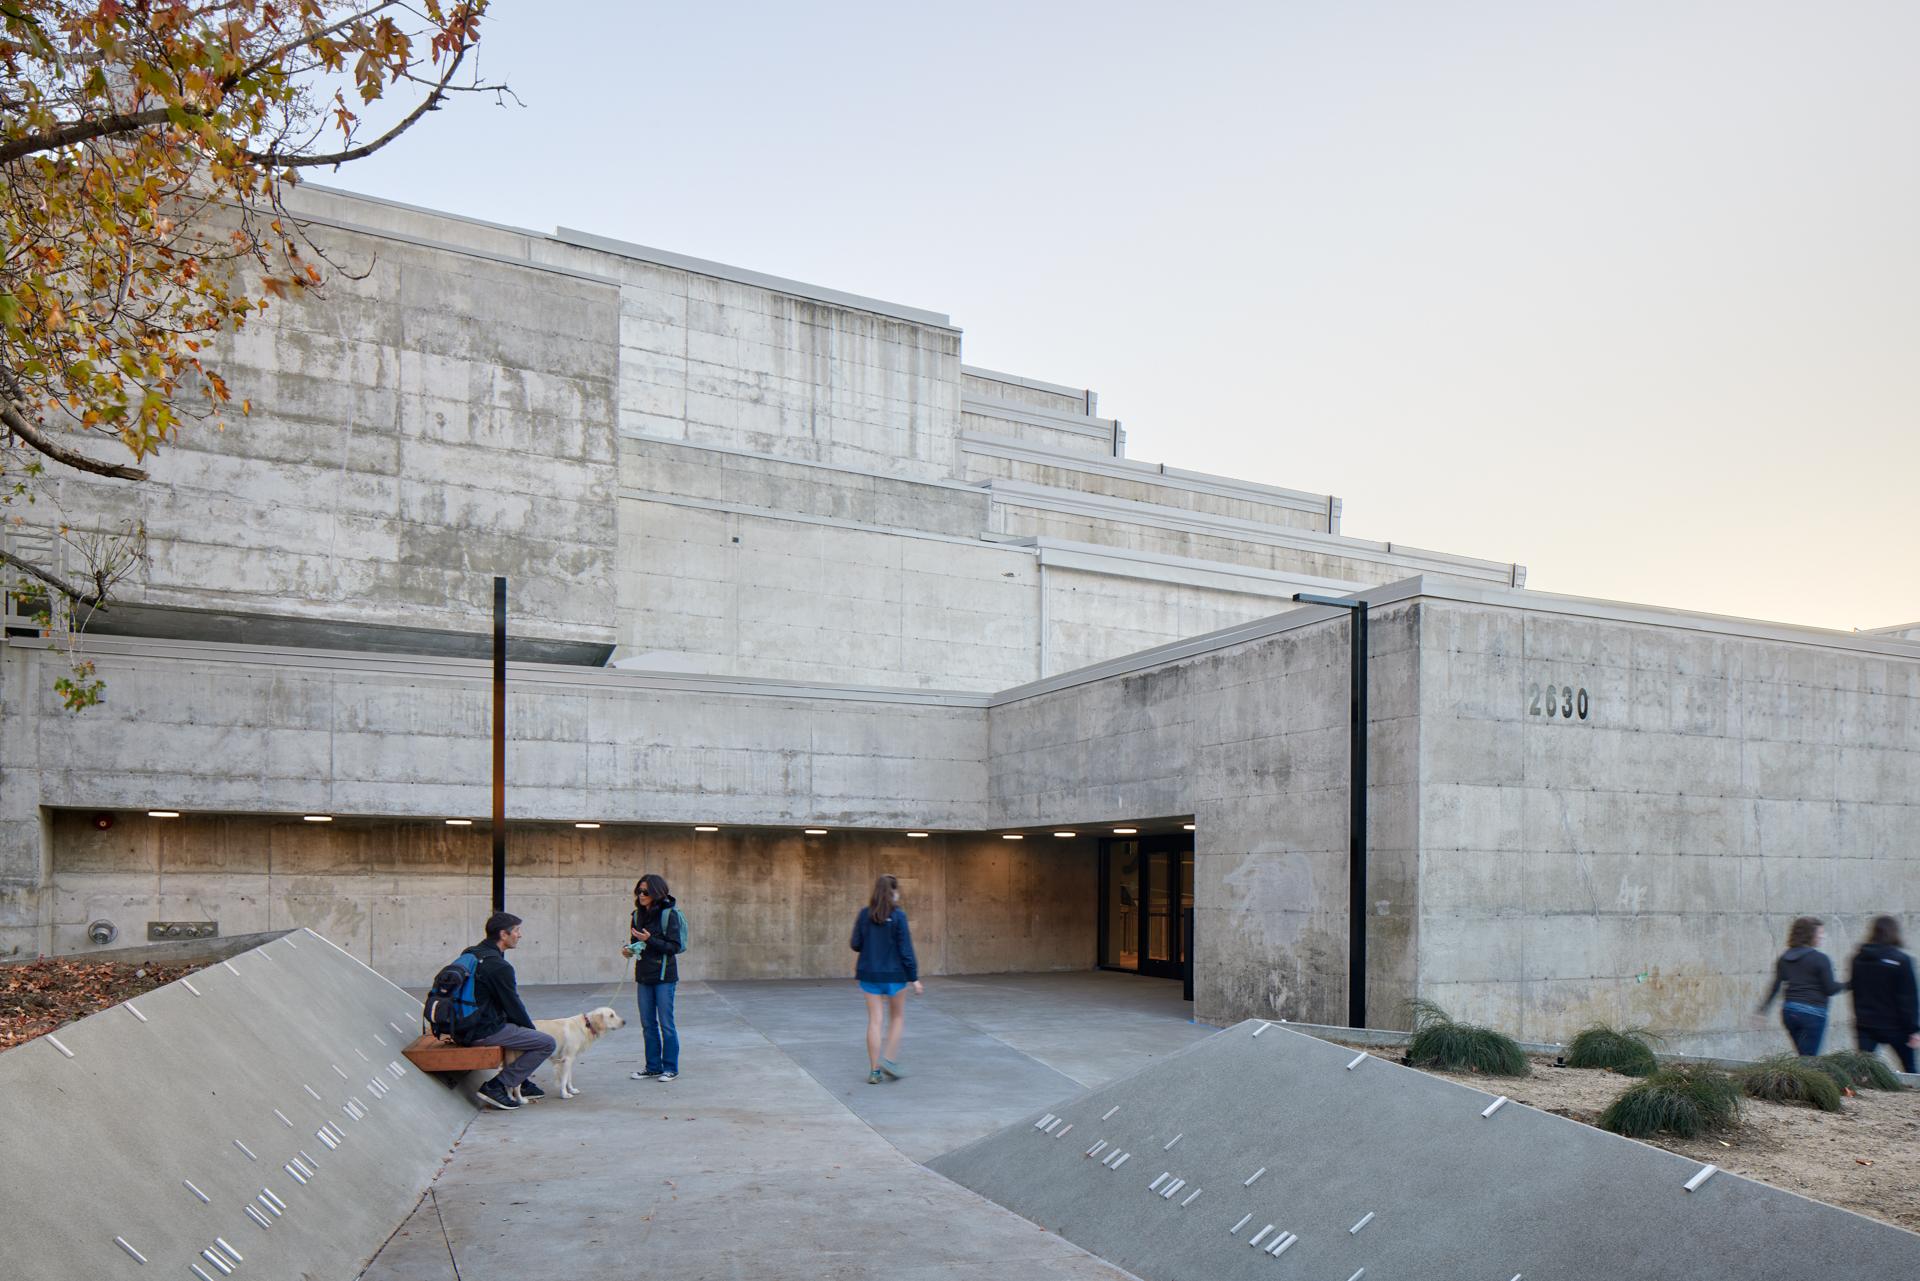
(780, 561)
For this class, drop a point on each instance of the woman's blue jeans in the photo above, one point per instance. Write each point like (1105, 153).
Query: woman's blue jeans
(1806, 1024)
(656, 1026)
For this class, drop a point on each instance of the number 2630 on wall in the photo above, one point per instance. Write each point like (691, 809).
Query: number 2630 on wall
(1563, 701)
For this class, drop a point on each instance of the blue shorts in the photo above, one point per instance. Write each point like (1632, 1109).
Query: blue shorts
(882, 989)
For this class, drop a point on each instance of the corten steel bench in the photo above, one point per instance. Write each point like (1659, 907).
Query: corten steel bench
(430, 1054)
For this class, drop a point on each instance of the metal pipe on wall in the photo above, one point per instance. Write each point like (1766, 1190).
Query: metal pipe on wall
(499, 744)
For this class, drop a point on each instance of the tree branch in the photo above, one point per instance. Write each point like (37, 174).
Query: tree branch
(16, 422)
(273, 160)
(79, 131)
(54, 581)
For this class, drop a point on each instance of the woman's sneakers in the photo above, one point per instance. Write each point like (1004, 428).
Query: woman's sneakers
(669, 1076)
(893, 1070)
(647, 1075)
(874, 1077)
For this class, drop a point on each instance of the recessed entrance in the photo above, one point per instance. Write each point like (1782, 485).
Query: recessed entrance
(1146, 902)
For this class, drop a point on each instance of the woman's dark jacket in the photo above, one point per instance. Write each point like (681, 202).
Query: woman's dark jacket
(658, 960)
(886, 951)
(1807, 975)
(1884, 999)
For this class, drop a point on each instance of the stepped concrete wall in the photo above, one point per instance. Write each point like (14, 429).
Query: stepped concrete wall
(257, 1111)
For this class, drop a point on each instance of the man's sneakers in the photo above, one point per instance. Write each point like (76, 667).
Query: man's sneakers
(495, 1095)
(529, 1091)
(647, 1075)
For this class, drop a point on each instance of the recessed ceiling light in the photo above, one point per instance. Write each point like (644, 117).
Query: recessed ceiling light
(318, 818)
(163, 813)
(706, 829)
(1012, 836)
(1066, 833)
(916, 835)
(1126, 831)
(459, 822)
(1186, 827)
(816, 831)
(588, 827)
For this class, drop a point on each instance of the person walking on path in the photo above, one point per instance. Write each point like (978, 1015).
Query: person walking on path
(1886, 1005)
(656, 937)
(1807, 975)
(501, 1018)
(885, 970)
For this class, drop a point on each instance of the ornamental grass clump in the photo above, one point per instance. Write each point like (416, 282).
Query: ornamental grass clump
(1440, 1042)
(1628, 1050)
(1684, 1100)
(1787, 1078)
(1859, 1071)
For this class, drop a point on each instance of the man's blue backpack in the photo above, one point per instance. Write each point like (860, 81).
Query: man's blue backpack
(451, 1010)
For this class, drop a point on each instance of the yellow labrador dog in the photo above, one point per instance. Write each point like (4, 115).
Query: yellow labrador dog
(572, 1037)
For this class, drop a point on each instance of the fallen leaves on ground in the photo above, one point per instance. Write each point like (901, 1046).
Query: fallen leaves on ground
(42, 996)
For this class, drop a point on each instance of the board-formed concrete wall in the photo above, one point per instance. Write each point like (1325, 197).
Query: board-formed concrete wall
(1249, 735)
(1640, 863)
(406, 896)
(257, 1112)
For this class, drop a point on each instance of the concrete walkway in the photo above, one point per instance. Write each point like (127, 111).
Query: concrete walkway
(771, 1157)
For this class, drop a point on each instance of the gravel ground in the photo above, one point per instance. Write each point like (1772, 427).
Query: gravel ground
(1865, 1158)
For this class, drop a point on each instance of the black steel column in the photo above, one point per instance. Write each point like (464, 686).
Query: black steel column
(1357, 829)
(1356, 801)
(499, 744)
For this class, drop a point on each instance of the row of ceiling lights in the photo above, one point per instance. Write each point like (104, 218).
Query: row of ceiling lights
(594, 827)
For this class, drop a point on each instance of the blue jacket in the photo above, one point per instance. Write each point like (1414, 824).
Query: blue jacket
(886, 951)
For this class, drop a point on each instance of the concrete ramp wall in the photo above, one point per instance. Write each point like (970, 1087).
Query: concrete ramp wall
(1206, 1163)
(253, 1120)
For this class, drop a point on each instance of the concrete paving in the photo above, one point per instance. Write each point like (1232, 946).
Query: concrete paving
(771, 1156)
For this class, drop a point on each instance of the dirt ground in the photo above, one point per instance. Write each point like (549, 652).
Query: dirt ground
(1865, 1158)
(41, 996)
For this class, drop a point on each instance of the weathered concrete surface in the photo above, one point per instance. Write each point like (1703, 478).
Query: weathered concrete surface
(1641, 864)
(1385, 1169)
(765, 1161)
(222, 1080)
(403, 897)
(1251, 738)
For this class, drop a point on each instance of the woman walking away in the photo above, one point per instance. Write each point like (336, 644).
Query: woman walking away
(886, 969)
(1807, 975)
(657, 936)
(1886, 1006)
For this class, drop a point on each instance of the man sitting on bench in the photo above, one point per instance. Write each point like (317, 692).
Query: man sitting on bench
(502, 1019)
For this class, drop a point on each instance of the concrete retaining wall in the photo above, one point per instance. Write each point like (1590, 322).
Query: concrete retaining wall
(405, 897)
(164, 1119)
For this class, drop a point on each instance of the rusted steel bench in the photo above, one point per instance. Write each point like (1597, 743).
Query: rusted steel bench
(431, 1054)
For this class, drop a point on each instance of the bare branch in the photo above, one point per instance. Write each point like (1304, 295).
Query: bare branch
(16, 423)
(430, 102)
(59, 584)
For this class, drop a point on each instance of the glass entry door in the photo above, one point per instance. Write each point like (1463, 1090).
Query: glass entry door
(1146, 890)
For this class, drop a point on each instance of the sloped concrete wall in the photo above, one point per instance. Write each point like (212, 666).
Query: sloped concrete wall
(1381, 1169)
(163, 1119)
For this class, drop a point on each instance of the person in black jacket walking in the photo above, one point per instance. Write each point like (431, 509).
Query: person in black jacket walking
(656, 937)
(885, 969)
(1807, 975)
(501, 1018)
(1886, 1005)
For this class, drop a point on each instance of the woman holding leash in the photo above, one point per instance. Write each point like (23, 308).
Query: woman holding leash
(656, 937)
(885, 970)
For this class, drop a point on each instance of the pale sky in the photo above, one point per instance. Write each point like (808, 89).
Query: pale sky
(1627, 292)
